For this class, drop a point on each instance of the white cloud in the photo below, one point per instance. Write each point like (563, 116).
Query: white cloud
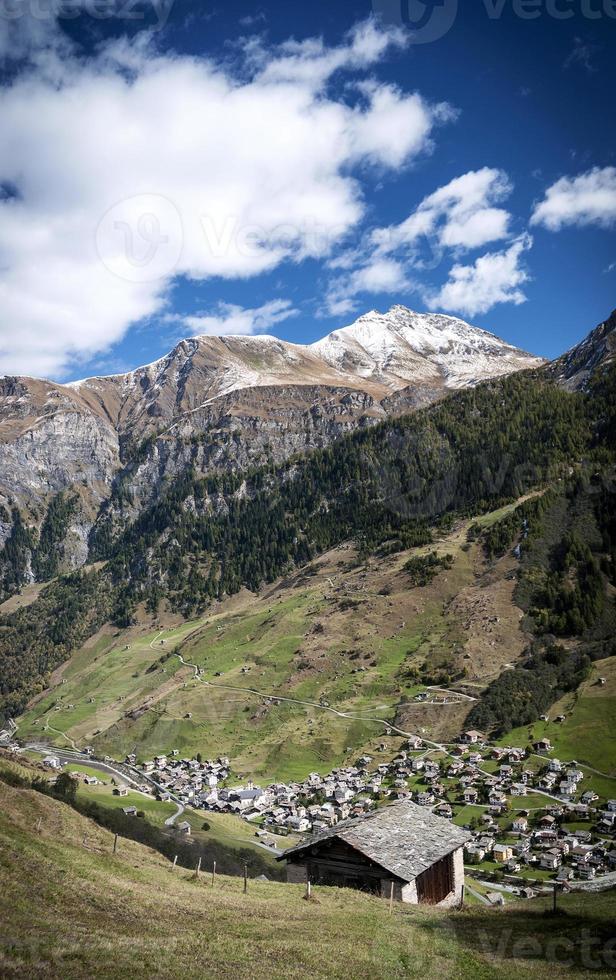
(134, 168)
(230, 320)
(492, 279)
(459, 216)
(588, 199)
(380, 276)
(311, 62)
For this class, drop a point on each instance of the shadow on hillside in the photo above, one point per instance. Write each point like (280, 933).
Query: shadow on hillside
(581, 935)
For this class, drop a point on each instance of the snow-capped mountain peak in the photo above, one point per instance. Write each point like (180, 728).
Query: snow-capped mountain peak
(402, 345)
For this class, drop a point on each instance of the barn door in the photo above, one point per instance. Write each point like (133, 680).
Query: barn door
(437, 882)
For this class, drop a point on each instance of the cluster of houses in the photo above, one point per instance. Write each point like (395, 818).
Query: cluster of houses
(191, 781)
(473, 774)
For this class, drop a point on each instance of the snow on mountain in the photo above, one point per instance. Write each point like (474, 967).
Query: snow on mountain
(380, 353)
(401, 347)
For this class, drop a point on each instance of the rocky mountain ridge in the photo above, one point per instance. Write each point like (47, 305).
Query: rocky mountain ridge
(220, 403)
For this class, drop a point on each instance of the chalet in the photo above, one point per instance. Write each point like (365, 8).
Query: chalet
(586, 871)
(184, 827)
(470, 795)
(502, 852)
(425, 798)
(121, 791)
(399, 849)
(542, 746)
(520, 824)
(129, 811)
(564, 874)
(414, 742)
(547, 821)
(471, 737)
(496, 798)
(607, 820)
(550, 860)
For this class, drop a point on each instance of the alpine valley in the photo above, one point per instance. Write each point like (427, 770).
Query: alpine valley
(407, 502)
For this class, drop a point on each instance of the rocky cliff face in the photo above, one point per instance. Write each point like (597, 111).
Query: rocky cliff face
(574, 369)
(217, 403)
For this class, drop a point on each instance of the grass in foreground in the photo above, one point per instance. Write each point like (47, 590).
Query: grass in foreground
(70, 909)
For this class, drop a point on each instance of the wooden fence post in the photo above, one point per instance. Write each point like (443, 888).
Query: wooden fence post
(198, 868)
(391, 898)
(39, 824)
(213, 873)
(245, 878)
(175, 860)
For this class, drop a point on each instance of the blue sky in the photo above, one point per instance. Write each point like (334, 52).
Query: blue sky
(285, 167)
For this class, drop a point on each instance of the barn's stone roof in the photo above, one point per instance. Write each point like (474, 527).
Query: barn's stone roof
(403, 838)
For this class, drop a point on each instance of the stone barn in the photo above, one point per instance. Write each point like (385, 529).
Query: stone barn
(402, 843)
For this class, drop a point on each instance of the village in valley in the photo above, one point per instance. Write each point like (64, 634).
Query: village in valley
(532, 818)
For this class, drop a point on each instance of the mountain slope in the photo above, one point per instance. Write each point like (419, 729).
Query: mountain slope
(574, 369)
(377, 354)
(385, 487)
(218, 404)
(401, 347)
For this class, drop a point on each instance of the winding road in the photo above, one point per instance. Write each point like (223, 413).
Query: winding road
(341, 714)
(353, 716)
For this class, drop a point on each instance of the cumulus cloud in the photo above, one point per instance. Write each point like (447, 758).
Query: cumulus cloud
(169, 166)
(379, 276)
(229, 320)
(493, 278)
(588, 199)
(460, 216)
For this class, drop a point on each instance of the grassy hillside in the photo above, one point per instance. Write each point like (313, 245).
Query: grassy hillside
(342, 635)
(587, 733)
(131, 914)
